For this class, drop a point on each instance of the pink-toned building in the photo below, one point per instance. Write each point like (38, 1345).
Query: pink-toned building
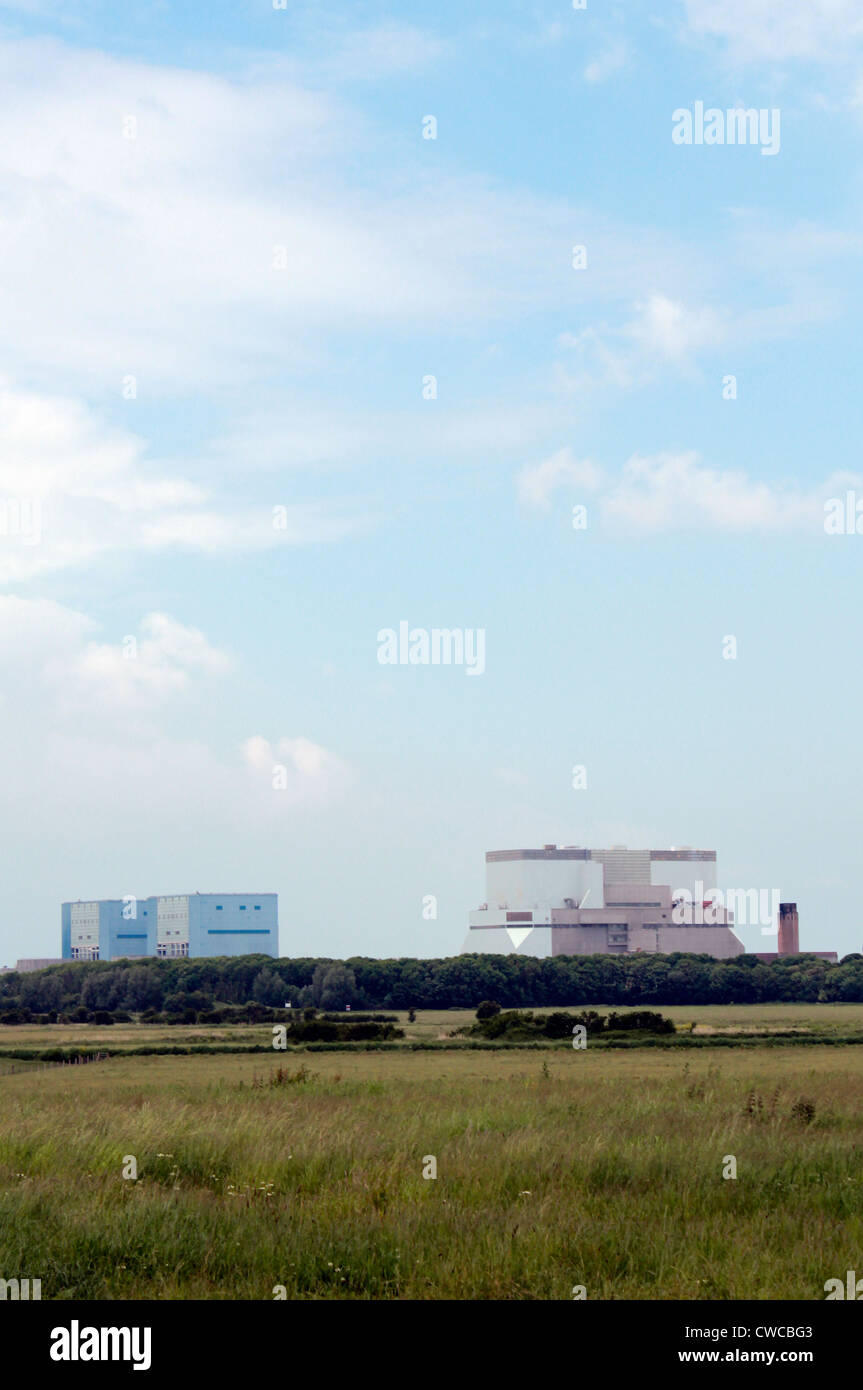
(571, 900)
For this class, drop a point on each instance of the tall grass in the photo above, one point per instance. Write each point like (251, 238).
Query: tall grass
(554, 1169)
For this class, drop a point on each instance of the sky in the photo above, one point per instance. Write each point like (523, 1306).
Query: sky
(321, 319)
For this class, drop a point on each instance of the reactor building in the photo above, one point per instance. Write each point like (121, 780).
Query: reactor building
(171, 927)
(572, 901)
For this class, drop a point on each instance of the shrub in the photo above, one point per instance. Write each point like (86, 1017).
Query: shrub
(487, 1009)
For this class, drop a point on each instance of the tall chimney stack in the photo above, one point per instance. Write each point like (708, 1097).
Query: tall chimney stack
(789, 930)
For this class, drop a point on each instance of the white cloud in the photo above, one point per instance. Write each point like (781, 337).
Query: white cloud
(665, 491)
(53, 650)
(155, 255)
(105, 738)
(663, 332)
(296, 770)
(73, 488)
(611, 61)
(537, 482)
(216, 533)
(142, 674)
(671, 330)
(669, 491)
(778, 30)
(388, 49)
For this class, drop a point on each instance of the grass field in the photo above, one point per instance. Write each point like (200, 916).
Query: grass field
(554, 1169)
(829, 1020)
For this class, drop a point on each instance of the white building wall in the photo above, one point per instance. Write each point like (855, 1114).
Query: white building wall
(172, 920)
(84, 921)
(542, 883)
(684, 874)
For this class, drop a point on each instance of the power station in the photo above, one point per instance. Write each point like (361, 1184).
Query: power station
(171, 927)
(574, 901)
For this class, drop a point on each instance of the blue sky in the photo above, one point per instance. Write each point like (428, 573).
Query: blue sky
(155, 165)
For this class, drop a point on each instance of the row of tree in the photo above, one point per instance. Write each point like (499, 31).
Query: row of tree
(177, 986)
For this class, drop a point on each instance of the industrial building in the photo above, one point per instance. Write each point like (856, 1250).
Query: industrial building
(171, 927)
(574, 901)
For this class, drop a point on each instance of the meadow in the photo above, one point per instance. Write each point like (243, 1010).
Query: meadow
(555, 1169)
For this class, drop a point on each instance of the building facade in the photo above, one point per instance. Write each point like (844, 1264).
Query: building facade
(573, 901)
(171, 927)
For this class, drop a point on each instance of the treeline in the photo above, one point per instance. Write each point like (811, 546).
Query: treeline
(524, 1026)
(244, 986)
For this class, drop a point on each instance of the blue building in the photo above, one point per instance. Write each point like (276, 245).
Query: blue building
(185, 925)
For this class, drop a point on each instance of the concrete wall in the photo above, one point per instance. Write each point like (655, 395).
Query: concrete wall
(496, 941)
(601, 938)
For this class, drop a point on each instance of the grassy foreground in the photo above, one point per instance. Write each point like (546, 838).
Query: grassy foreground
(553, 1170)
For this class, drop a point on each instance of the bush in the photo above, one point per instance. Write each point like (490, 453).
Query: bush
(558, 1026)
(488, 1008)
(360, 1018)
(642, 1020)
(523, 1026)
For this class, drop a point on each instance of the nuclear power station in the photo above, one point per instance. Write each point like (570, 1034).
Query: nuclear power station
(574, 901)
(171, 927)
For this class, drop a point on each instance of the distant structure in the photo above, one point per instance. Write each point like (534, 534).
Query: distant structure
(789, 930)
(24, 967)
(575, 901)
(172, 927)
(789, 938)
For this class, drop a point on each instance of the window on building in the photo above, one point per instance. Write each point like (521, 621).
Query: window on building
(85, 952)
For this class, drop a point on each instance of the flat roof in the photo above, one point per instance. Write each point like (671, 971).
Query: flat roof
(499, 856)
